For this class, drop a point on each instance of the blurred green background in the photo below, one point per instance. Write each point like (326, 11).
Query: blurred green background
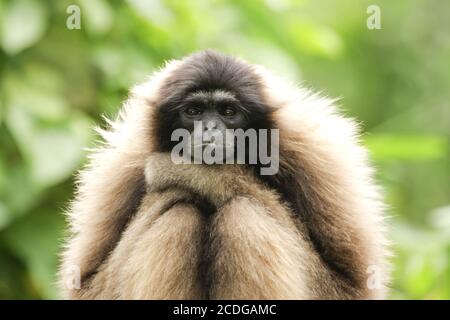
(56, 83)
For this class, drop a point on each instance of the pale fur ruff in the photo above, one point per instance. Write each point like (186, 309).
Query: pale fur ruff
(253, 247)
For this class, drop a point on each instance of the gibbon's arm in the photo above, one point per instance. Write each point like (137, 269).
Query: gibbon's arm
(252, 247)
(111, 187)
(103, 209)
(109, 192)
(326, 178)
(352, 238)
(249, 248)
(156, 256)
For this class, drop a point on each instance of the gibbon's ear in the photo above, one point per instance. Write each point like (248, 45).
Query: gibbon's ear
(110, 188)
(326, 177)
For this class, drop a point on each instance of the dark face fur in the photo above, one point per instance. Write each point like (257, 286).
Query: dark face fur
(218, 90)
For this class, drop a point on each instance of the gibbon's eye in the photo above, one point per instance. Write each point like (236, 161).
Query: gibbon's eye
(193, 111)
(228, 111)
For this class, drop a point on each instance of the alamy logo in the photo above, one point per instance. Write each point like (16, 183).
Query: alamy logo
(239, 146)
(73, 21)
(373, 21)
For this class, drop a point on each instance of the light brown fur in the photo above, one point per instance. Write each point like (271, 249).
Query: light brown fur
(257, 245)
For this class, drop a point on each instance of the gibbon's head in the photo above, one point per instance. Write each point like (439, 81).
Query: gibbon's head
(211, 92)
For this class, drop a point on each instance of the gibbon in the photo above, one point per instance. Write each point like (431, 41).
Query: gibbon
(144, 227)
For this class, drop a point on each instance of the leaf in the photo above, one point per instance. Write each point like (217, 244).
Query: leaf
(440, 218)
(406, 147)
(315, 39)
(4, 216)
(23, 24)
(56, 153)
(52, 153)
(98, 16)
(37, 249)
(155, 11)
(49, 135)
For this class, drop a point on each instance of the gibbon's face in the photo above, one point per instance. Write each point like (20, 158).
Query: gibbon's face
(208, 94)
(217, 109)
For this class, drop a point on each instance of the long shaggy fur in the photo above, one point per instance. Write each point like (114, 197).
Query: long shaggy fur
(313, 231)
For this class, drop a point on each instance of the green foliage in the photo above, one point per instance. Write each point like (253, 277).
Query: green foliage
(56, 83)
